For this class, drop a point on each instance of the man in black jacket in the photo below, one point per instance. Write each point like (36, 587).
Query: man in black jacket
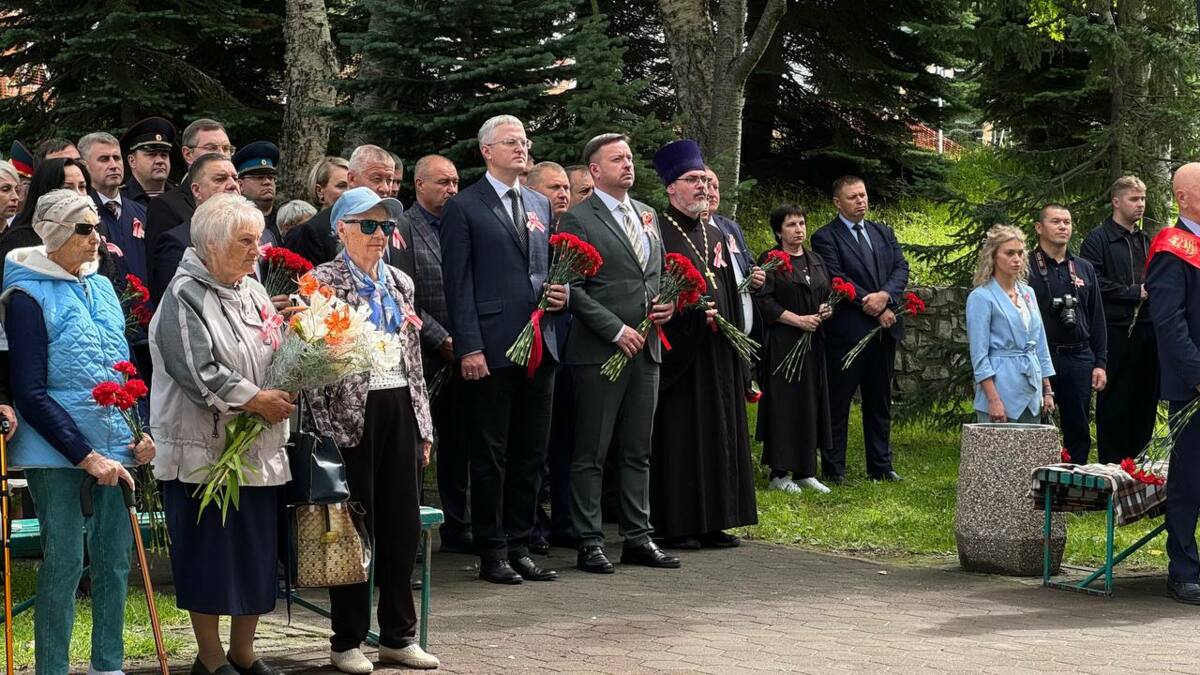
(1127, 409)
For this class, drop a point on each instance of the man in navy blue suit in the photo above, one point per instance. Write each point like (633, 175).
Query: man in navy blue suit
(495, 258)
(122, 223)
(1172, 279)
(866, 254)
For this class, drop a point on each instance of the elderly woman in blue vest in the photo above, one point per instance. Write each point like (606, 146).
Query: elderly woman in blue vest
(211, 340)
(66, 330)
(381, 421)
(1008, 343)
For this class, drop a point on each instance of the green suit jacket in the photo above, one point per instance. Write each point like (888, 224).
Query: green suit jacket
(621, 293)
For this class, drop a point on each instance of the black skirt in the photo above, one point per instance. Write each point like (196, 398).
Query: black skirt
(228, 569)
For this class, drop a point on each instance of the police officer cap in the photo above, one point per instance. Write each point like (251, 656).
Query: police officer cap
(152, 133)
(257, 157)
(21, 159)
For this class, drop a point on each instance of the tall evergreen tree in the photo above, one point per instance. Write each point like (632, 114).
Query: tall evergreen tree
(1086, 92)
(109, 63)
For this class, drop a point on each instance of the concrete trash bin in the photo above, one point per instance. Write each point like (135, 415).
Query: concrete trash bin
(996, 526)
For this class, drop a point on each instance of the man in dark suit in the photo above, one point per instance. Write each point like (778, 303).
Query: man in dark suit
(202, 137)
(1172, 280)
(495, 258)
(866, 254)
(211, 174)
(435, 180)
(370, 166)
(607, 308)
(147, 147)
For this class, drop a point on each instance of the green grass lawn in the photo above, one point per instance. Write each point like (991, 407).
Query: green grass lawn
(912, 520)
(139, 638)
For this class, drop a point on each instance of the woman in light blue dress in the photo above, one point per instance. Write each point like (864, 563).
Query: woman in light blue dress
(1008, 341)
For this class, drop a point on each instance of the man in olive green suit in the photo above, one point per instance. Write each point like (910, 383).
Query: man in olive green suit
(607, 309)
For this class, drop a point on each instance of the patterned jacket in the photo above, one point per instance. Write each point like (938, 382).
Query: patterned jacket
(339, 410)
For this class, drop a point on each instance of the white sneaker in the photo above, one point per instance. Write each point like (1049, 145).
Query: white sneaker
(785, 484)
(411, 656)
(92, 671)
(814, 484)
(351, 661)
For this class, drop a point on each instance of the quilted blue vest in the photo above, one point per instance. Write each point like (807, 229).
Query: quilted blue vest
(86, 327)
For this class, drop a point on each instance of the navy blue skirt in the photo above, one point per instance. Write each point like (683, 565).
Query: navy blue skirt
(226, 570)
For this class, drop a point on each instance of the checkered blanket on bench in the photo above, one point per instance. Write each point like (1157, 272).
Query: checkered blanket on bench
(1134, 501)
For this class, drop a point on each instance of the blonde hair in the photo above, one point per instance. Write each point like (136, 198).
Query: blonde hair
(998, 236)
(318, 176)
(1125, 184)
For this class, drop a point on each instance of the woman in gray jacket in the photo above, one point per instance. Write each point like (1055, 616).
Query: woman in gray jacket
(211, 340)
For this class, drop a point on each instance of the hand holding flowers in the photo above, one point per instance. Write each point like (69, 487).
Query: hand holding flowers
(913, 305)
(790, 366)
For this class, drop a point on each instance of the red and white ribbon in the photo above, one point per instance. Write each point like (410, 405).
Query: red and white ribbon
(533, 222)
(139, 231)
(718, 255)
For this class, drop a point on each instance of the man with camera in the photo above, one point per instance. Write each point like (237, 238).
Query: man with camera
(1069, 299)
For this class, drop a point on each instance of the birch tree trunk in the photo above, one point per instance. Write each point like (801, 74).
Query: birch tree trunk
(711, 59)
(311, 68)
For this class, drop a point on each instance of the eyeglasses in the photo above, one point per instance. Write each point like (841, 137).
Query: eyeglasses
(368, 227)
(693, 180)
(512, 143)
(213, 147)
(84, 229)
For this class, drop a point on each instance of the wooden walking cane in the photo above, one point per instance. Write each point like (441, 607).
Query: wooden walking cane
(5, 526)
(85, 502)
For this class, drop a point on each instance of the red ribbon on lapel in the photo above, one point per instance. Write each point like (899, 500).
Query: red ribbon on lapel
(535, 350)
(1179, 243)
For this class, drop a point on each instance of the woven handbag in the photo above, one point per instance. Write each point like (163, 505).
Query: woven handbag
(331, 545)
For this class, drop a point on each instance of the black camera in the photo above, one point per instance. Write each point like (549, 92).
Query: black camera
(1065, 306)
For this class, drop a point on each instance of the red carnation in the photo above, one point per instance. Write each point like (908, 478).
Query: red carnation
(143, 315)
(784, 261)
(123, 400)
(844, 288)
(126, 368)
(105, 393)
(913, 304)
(1065, 456)
(136, 388)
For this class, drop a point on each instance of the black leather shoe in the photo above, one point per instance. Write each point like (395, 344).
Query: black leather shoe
(834, 480)
(1185, 592)
(259, 667)
(539, 545)
(592, 559)
(719, 539)
(464, 544)
(889, 477)
(648, 554)
(681, 543)
(199, 669)
(531, 572)
(498, 572)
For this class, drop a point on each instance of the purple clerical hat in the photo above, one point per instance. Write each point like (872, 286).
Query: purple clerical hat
(677, 158)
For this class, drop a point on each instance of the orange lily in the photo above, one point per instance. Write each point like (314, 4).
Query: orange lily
(308, 284)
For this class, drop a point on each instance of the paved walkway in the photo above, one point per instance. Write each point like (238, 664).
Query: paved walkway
(768, 608)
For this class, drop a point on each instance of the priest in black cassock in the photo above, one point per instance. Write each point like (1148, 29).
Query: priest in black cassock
(701, 474)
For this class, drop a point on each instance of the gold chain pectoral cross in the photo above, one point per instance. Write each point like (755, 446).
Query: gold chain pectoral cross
(712, 278)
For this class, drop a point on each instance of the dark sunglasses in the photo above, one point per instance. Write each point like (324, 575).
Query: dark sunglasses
(84, 229)
(368, 227)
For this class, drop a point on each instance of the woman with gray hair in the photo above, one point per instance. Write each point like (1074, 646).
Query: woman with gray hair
(292, 214)
(10, 193)
(67, 330)
(1004, 328)
(211, 341)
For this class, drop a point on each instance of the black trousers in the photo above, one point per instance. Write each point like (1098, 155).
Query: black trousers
(508, 453)
(1183, 501)
(872, 373)
(1127, 409)
(383, 471)
(556, 479)
(453, 457)
(1072, 384)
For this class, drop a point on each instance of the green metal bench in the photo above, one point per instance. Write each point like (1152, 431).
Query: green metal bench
(430, 518)
(1103, 493)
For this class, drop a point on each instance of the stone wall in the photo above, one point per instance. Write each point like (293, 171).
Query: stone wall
(934, 361)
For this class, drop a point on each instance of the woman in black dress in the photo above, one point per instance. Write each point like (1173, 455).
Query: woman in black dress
(793, 417)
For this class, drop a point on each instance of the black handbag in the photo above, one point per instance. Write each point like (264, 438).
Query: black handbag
(318, 470)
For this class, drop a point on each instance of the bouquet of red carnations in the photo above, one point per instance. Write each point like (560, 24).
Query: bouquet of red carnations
(681, 283)
(789, 367)
(775, 260)
(574, 259)
(913, 305)
(136, 300)
(283, 269)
